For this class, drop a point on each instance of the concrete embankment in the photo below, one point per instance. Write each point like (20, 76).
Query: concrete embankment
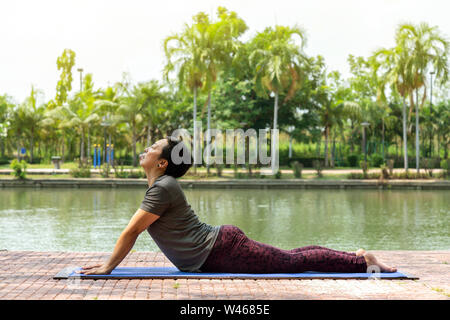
(234, 183)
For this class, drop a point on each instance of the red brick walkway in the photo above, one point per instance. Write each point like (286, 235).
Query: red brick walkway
(28, 275)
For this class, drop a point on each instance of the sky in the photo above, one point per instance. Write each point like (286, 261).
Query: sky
(111, 37)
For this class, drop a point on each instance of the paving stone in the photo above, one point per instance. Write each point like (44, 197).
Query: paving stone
(29, 275)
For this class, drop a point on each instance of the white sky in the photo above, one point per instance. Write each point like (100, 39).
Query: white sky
(110, 37)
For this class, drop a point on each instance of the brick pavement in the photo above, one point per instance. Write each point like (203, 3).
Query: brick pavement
(28, 275)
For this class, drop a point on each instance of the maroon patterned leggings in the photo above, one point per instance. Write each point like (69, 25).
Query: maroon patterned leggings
(234, 252)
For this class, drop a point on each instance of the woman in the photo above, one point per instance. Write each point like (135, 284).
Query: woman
(194, 246)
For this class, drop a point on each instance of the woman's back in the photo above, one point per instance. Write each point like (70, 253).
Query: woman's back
(181, 236)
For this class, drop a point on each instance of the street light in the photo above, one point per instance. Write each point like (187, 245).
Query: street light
(364, 125)
(80, 70)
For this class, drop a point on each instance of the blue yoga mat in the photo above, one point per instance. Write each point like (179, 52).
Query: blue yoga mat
(174, 273)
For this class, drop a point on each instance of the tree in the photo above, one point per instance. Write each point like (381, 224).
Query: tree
(185, 57)
(334, 106)
(32, 116)
(393, 65)
(426, 48)
(220, 46)
(6, 106)
(130, 111)
(65, 63)
(276, 60)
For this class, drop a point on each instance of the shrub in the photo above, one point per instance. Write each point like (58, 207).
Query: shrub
(297, 167)
(318, 167)
(365, 167)
(384, 171)
(374, 175)
(121, 173)
(84, 171)
(355, 175)
(219, 168)
(136, 174)
(353, 159)
(19, 169)
(104, 170)
(376, 160)
(445, 164)
(427, 164)
(390, 164)
(278, 174)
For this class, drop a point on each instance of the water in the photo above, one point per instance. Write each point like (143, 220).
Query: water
(92, 220)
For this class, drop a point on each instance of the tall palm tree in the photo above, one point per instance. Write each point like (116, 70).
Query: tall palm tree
(185, 56)
(106, 106)
(277, 61)
(131, 111)
(427, 48)
(221, 45)
(75, 114)
(34, 114)
(393, 65)
(333, 111)
(152, 109)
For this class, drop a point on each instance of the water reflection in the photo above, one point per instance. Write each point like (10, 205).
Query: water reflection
(92, 219)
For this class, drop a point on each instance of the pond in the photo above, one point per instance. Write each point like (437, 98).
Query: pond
(92, 219)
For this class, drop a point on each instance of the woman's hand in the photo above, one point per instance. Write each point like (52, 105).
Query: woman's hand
(95, 269)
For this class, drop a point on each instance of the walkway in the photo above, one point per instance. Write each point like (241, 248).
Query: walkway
(28, 275)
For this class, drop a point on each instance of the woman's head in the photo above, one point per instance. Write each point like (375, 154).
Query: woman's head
(162, 157)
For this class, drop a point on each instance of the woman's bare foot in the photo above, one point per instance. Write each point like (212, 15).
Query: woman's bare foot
(360, 252)
(372, 261)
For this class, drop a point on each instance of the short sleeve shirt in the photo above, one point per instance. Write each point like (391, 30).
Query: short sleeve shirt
(181, 236)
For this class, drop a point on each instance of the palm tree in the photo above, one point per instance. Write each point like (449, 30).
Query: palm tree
(130, 111)
(427, 48)
(152, 110)
(277, 61)
(221, 45)
(33, 115)
(393, 63)
(333, 111)
(75, 114)
(185, 55)
(106, 105)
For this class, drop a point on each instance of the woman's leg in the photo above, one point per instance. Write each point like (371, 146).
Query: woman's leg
(302, 249)
(234, 252)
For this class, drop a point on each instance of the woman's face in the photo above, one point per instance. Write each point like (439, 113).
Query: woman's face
(150, 157)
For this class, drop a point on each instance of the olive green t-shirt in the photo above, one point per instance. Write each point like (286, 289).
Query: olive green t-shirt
(178, 232)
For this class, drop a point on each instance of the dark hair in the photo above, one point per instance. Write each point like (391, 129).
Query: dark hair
(176, 170)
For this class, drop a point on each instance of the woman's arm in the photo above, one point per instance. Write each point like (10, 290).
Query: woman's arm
(138, 223)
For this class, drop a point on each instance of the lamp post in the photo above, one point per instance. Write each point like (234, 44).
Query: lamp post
(431, 112)
(364, 125)
(80, 70)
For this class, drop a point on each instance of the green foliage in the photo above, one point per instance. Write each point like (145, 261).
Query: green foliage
(318, 166)
(384, 171)
(120, 173)
(390, 163)
(136, 174)
(219, 168)
(353, 159)
(365, 168)
(83, 171)
(64, 63)
(445, 164)
(297, 168)
(19, 169)
(376, 160)
(278, 174)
